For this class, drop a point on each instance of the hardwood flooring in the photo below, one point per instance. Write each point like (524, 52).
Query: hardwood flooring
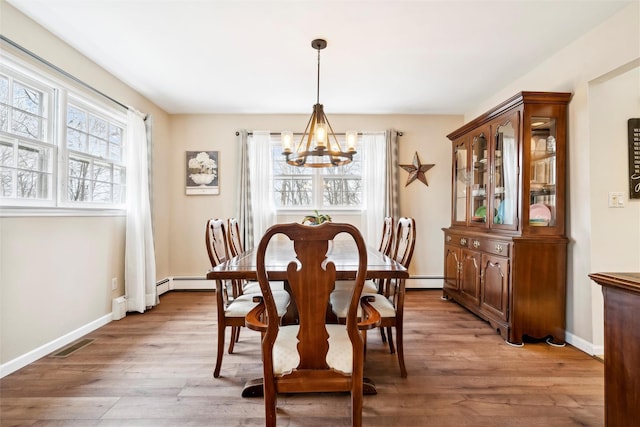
(155, 369)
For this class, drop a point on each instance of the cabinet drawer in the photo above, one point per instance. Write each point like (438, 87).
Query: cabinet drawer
(497, 247)
(457, 240)
(494, 247)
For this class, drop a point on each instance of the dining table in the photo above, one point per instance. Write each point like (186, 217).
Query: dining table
(342, 252)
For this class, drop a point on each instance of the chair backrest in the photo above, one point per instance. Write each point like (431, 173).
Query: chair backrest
(387, 236)
(216, 241)
(311, 279)
(405, 241)
(235, 241)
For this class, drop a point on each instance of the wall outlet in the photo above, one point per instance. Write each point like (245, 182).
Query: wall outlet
(616, 200)
(114, 283)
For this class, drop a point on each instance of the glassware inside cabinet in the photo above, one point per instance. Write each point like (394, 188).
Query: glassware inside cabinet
(505, 175)
(461, 181)
(542, 187)
(479, 178)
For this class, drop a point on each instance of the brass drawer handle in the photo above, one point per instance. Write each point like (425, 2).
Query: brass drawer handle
(476, 244)
(463, 241)
(499, 248)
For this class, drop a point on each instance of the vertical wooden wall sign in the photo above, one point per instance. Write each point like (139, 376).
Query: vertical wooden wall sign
(634, 158)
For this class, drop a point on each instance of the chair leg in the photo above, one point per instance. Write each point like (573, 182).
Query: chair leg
(403, 369)
(221, 328)
(356, 408)
(383, 336)
(364, 343)
(392, 349)
(270, 402)
(235, 331)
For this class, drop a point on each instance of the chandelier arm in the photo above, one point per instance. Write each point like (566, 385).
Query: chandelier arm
(312, 129)
(311, 120)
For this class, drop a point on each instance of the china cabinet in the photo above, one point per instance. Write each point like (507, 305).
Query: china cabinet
(505, 251)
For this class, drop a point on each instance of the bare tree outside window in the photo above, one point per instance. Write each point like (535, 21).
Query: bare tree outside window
(299, 187)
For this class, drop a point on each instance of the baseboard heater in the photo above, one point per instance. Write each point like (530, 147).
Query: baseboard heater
(184, 283)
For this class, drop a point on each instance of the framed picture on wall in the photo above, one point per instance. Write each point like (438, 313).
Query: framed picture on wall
(202, 175)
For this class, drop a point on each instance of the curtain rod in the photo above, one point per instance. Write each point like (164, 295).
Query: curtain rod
(61, 71)
(298, 133)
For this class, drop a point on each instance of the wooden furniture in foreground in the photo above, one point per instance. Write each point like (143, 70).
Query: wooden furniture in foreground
(505, 251)
(312, 355)
(621, 293)
(342, 252)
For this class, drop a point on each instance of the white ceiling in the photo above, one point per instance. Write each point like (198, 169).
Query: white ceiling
(383, 57)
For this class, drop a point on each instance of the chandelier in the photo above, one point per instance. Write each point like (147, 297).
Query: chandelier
(319, 146)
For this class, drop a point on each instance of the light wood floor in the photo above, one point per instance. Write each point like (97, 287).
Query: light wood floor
(156, 369)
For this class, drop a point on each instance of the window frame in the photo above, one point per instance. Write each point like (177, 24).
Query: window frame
(60, 91)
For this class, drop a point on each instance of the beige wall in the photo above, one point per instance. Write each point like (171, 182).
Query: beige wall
(55, 272)
(615, 233)
(430, 206)
(608, 47)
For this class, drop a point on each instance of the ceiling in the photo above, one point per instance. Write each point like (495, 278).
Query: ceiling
(383, 57)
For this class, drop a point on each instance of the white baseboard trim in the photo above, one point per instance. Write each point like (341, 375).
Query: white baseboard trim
(424, 282)
(30, 357)
(181, 283)
(584, 345)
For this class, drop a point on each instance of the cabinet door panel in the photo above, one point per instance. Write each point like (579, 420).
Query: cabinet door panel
(505, 176)
(480, 177)
(470, 275)
(495, 286)
(451, 263)
(461, 179)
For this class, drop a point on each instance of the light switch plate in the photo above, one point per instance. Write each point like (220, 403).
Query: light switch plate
(616, 199)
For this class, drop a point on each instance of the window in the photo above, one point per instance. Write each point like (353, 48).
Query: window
(94, 145)
(336, 188)
(59, 147)
(26, 148)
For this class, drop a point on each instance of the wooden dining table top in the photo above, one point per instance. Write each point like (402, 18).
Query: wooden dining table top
(343, 253)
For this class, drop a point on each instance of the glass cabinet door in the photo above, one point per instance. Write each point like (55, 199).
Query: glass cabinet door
(505, 174)
(479, 178)
(460, 181)
(542, 185)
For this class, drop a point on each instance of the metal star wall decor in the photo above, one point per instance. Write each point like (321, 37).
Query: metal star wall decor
(416, 170)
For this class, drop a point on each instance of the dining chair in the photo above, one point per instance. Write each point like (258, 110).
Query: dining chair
(385, 247)
(389, 302)
(232, 304)
(237, 248)
(312, 355)
(235, 240)
(387, 236)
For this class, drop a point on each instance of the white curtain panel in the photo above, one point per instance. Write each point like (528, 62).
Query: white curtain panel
(374, 158)
(380, 169)
(260, 184)
(140, 264)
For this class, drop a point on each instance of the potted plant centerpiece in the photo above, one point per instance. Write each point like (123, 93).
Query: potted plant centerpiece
(316, 219)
